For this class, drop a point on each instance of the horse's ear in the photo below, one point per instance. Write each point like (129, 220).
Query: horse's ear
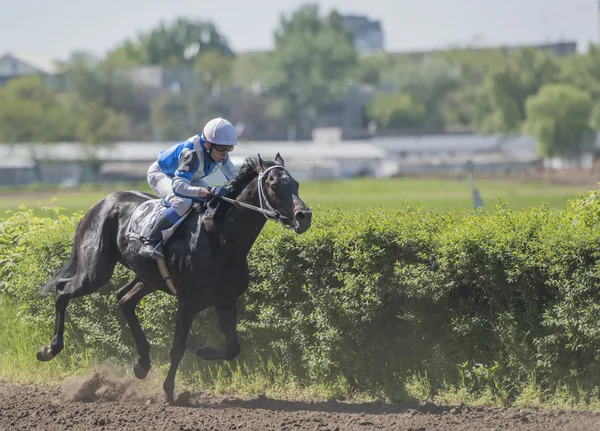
(279, 159)
(261, 163)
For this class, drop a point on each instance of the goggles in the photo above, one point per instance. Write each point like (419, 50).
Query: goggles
(222, 148)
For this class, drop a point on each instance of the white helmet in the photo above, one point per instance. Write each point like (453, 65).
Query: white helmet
(219, 131)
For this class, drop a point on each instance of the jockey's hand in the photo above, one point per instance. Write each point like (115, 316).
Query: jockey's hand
(220, 191)
(204, 191)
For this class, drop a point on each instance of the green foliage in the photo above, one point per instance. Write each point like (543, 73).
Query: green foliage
(303, 83)
(474, 301)
(31, 112)
(314, 58)
(396, 110)
(558, 117)
(595, 118)
(169, 115)
(372, 67)
(428, 82)
(213, 68)
(583, 71)
(250, 67)
(110, 96)
(171, 44)
(507, 88)
(99, 125)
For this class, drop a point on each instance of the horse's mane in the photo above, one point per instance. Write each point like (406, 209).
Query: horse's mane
(248, 172)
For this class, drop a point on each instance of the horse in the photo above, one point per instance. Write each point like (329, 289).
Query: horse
(206, 258)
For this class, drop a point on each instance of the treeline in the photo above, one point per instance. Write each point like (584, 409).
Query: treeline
(306, 81)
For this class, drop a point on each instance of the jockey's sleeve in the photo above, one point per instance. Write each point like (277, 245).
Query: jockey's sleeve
(188, 164)
(228, 169)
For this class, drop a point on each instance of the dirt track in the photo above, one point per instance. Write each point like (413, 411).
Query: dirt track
(99, 404)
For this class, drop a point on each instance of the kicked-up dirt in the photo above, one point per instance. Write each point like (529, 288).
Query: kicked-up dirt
(102, 403)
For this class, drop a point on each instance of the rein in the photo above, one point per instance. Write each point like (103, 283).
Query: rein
(270, 213)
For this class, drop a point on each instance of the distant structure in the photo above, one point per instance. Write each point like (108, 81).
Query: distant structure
(598, 23)
(560, 49)
(368, 35)
(14, 65)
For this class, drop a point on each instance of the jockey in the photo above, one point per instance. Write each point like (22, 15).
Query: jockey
(177, 175)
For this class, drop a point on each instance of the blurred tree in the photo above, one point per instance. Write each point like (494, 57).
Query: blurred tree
(30, 114)
(371, 67)
(252, 67)
(474, 64)
(129, 54)
(174, 44)
(499, 105)
(427, 82)
(313, 61)
(396, 110)
(583, 71)
(558, 118)
(170, 117)
(91, 81)
(462, 104)
(98, 126)
(595, 118)
(213, 69)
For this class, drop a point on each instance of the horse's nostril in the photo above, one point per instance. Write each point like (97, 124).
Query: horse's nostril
(302, 215)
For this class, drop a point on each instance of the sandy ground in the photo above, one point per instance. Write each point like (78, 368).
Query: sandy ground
(108, 403)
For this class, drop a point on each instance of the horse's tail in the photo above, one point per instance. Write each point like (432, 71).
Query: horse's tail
(69, 268)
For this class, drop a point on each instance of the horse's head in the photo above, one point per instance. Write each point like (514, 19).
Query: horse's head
(279, 190)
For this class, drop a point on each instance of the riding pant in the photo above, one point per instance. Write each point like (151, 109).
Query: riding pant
(162, 185)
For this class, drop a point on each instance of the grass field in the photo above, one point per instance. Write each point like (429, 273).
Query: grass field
(364, 193)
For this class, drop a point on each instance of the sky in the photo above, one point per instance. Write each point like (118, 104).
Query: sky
(53, 29)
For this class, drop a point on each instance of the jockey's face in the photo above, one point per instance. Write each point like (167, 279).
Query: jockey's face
(217, 156)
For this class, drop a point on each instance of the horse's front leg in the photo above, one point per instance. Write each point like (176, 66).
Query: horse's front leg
(185, 316)
(228, 322)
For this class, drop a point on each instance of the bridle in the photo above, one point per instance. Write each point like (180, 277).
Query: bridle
(269, 212)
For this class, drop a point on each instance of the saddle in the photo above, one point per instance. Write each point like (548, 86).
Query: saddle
(145, 215)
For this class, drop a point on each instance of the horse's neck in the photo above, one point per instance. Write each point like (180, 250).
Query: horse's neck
(245, 225)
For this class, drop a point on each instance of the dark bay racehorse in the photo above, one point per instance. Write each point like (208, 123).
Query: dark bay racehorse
(206, 258)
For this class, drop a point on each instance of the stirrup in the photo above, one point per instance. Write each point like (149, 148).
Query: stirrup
(154, 253)
(157, 254)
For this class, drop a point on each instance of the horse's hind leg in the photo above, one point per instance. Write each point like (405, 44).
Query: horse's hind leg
(128, 301)
(228, 322)
(96, 272)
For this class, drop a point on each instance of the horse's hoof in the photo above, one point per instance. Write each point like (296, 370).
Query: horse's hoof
(168, 400)
(45, 354)
(139, 371)
(183, 399)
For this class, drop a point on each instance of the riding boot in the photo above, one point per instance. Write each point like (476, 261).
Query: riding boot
(150, 243)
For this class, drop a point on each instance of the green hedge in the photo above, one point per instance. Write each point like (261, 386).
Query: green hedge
(375, 296)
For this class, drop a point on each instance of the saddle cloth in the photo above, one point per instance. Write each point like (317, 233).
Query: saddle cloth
(144, 217)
